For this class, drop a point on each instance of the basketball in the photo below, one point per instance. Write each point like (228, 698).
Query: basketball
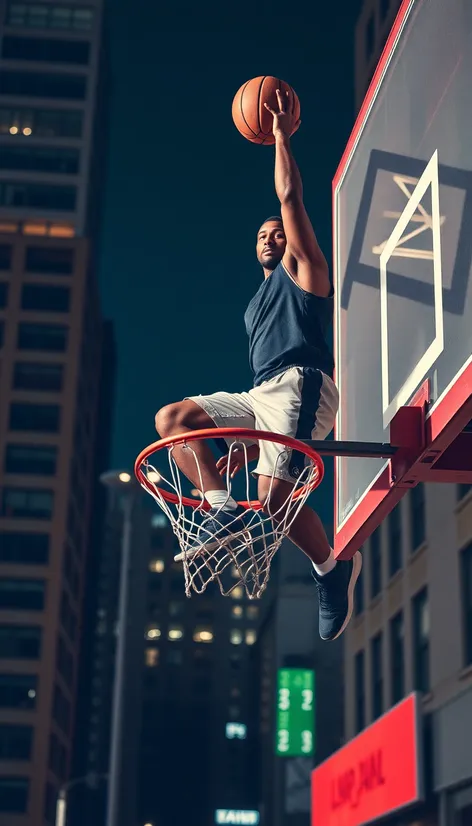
(250, 116)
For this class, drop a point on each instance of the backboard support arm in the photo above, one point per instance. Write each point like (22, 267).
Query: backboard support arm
(413, 459)
(369, 450)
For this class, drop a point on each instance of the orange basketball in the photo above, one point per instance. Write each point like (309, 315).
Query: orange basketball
(250, 116)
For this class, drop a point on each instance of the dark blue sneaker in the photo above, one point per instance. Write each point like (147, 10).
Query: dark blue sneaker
(336, 596)
(216, 530)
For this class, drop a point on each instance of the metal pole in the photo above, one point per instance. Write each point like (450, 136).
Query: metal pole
(116, 739)
(372, 450)
(61, 808)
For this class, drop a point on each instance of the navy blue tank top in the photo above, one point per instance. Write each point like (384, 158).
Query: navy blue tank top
(287, 328)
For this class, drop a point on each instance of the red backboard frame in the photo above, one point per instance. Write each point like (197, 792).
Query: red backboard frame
(433, 446)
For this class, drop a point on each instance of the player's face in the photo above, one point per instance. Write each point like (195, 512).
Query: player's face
(271, 243)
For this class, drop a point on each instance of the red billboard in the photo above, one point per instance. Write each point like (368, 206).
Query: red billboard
(375, 774)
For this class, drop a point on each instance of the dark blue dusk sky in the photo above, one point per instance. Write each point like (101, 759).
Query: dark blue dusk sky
(185, 193)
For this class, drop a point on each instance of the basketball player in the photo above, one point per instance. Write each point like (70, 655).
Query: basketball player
(293, 391)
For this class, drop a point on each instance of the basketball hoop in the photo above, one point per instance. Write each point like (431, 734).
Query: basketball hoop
(243, 558)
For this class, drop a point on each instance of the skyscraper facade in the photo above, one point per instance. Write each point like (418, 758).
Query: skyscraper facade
(51, 335)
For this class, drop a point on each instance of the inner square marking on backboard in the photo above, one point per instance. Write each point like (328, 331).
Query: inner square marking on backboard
(430, 177)
(421, 217)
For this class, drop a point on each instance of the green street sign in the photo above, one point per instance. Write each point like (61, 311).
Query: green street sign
(295, 730)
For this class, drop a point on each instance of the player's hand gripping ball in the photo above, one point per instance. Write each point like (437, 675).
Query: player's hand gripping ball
(263, 106)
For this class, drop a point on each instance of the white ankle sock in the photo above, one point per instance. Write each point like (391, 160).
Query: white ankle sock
(326, 566)
(220, 499)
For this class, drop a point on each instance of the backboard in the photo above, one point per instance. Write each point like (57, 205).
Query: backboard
(402, 210)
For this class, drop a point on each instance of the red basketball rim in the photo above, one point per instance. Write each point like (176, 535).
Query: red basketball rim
(223, 433)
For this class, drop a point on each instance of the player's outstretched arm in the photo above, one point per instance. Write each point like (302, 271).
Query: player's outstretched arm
(303, 258)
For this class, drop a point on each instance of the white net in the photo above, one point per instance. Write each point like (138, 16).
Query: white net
(231, 550)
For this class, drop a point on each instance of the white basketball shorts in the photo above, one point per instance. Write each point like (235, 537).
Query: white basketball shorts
(302, 402)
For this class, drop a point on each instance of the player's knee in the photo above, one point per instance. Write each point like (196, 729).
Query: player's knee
(168, 419)
(179, 416)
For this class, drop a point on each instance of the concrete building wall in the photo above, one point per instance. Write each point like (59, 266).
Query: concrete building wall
(438, 567)
(65, 519)
(31, 86)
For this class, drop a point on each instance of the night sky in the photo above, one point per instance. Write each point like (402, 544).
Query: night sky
(185, 193)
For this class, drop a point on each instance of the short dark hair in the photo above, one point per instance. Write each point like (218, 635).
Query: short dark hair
(274, 218)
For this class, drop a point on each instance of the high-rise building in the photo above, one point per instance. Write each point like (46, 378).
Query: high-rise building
(196, 734)
(408, 648)
(294, 732)
(88, 801)
(412, 632)
(51, 335)
(187, 687)
(87, 792)
(372, 30)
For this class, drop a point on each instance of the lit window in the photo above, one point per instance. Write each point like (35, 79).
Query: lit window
(237, 592)
(159, 520)
(236, 636)
(237, 611)
(151, 657)
(156, 566)
(421, 641)
(175, 633)
(35, 229)
(203, 635)
(236, 731)
(252, 612)
(250, 637)
(234, 572)
(61, 231)
(153, 633)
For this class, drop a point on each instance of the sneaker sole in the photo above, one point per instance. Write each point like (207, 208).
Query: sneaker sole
(210, 546)
(356, 569)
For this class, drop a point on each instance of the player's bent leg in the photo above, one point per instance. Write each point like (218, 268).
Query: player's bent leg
(185, 414)
(198, 464)
(336, 585)
(307, 530)
(223, 522)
